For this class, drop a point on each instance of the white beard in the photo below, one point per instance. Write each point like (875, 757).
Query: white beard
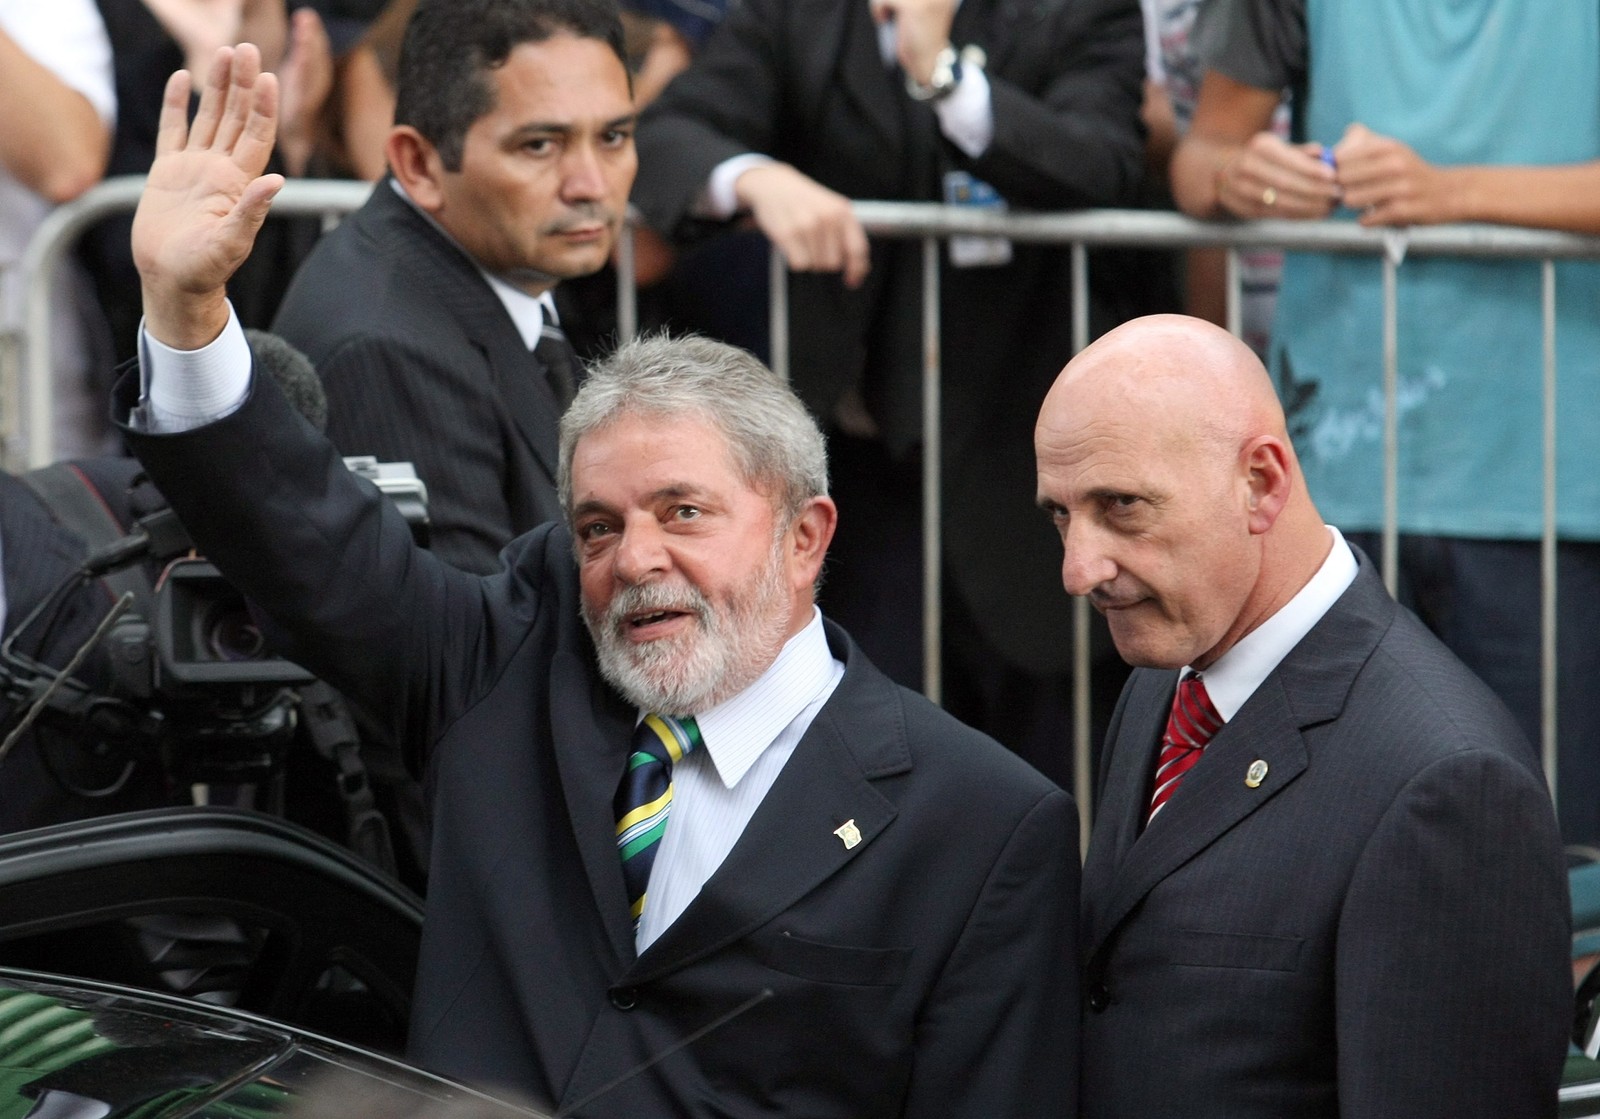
(723, 653)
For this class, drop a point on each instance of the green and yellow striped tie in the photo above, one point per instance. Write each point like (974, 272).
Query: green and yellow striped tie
(645, 797)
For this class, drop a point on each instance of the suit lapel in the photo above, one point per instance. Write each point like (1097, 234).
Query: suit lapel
(1307, 688)
(591, 727)
(790, 846)
(424, 252)
(524, 385)
(1126, 790)
(1214, 797)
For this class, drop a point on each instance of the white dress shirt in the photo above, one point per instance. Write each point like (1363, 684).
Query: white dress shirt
(1236, 674)
(717, 788)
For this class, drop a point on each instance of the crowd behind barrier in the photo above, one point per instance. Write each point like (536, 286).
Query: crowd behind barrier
(25, 360)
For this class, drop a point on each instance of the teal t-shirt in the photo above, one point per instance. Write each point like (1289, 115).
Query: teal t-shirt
(1463, 82)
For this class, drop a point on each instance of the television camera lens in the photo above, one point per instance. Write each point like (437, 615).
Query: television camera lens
(228, 631)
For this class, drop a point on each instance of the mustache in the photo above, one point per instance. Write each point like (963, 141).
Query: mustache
(1105, 598)
(586, 212)
(642, 598)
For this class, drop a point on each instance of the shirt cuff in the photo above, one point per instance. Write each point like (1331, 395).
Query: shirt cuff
(966, 117)
(186, 389)
(719, 200)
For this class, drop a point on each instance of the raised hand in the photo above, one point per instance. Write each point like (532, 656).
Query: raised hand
(206, 196)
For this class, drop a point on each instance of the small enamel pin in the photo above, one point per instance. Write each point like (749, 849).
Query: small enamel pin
(1256, 774)
(849, 833)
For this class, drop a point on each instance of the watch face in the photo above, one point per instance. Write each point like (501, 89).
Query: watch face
(944, 79)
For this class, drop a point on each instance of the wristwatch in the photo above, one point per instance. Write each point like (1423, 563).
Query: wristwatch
(946, 74)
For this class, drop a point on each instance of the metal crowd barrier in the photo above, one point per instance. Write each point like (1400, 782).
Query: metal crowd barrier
(25, 412)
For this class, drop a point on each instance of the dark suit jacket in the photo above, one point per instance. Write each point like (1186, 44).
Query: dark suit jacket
(1379, 929)
(422, 364)
(923, 972)
(803, 81)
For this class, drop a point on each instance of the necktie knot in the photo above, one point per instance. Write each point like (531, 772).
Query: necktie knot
(1191, 724)
(644, 797)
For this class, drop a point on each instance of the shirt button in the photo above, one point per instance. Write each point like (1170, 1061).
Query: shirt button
(624, 998)
(1099, 997)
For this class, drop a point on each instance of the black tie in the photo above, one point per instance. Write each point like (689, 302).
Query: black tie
(560, 363)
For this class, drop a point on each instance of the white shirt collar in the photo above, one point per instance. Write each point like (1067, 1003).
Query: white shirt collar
(737, 731)
(1236, 674)
(528, 312)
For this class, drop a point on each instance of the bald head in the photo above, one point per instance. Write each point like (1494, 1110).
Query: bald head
(1179, 376)
(1165, 463)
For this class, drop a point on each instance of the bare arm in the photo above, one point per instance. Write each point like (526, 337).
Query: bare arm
(306, 81)
(53, 142)
(1229, 163)
(668, 56)
(206, 196)
(366, 107)
(266, 24)
(1391, 184)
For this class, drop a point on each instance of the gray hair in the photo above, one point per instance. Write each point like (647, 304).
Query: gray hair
(771, 437)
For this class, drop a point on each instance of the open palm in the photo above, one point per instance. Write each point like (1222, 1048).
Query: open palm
(205, 197)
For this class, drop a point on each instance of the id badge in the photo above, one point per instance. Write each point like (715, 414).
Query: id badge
(961, 189)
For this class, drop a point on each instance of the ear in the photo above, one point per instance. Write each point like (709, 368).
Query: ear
(1269, 477)
(808, 539)
(415, 162)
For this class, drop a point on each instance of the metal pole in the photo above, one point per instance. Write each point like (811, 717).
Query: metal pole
(627, 284)
(932, 455)
(778, 310)
(1082, 724)
(1391, 434)
(1548, 679)
(1235, 282)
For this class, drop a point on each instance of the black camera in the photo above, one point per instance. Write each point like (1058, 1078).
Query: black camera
(187, 664)
(204, 631)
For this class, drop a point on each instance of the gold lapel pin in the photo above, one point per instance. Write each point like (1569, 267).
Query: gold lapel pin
(1256, 774)
(849, 833)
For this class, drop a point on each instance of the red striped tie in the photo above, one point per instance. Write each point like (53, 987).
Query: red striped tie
(1190, 726)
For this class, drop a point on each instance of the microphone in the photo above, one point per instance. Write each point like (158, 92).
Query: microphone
(295, 375)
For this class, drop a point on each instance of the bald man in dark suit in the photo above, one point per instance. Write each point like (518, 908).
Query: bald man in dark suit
(1348, 901)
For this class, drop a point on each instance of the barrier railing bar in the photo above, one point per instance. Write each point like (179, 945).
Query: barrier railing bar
(1154, 229)
(1548, 681)
(778, 311)
(627, 288)
(1390, 561)
(932, 494)
(1082, 725)
(1234, 278)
